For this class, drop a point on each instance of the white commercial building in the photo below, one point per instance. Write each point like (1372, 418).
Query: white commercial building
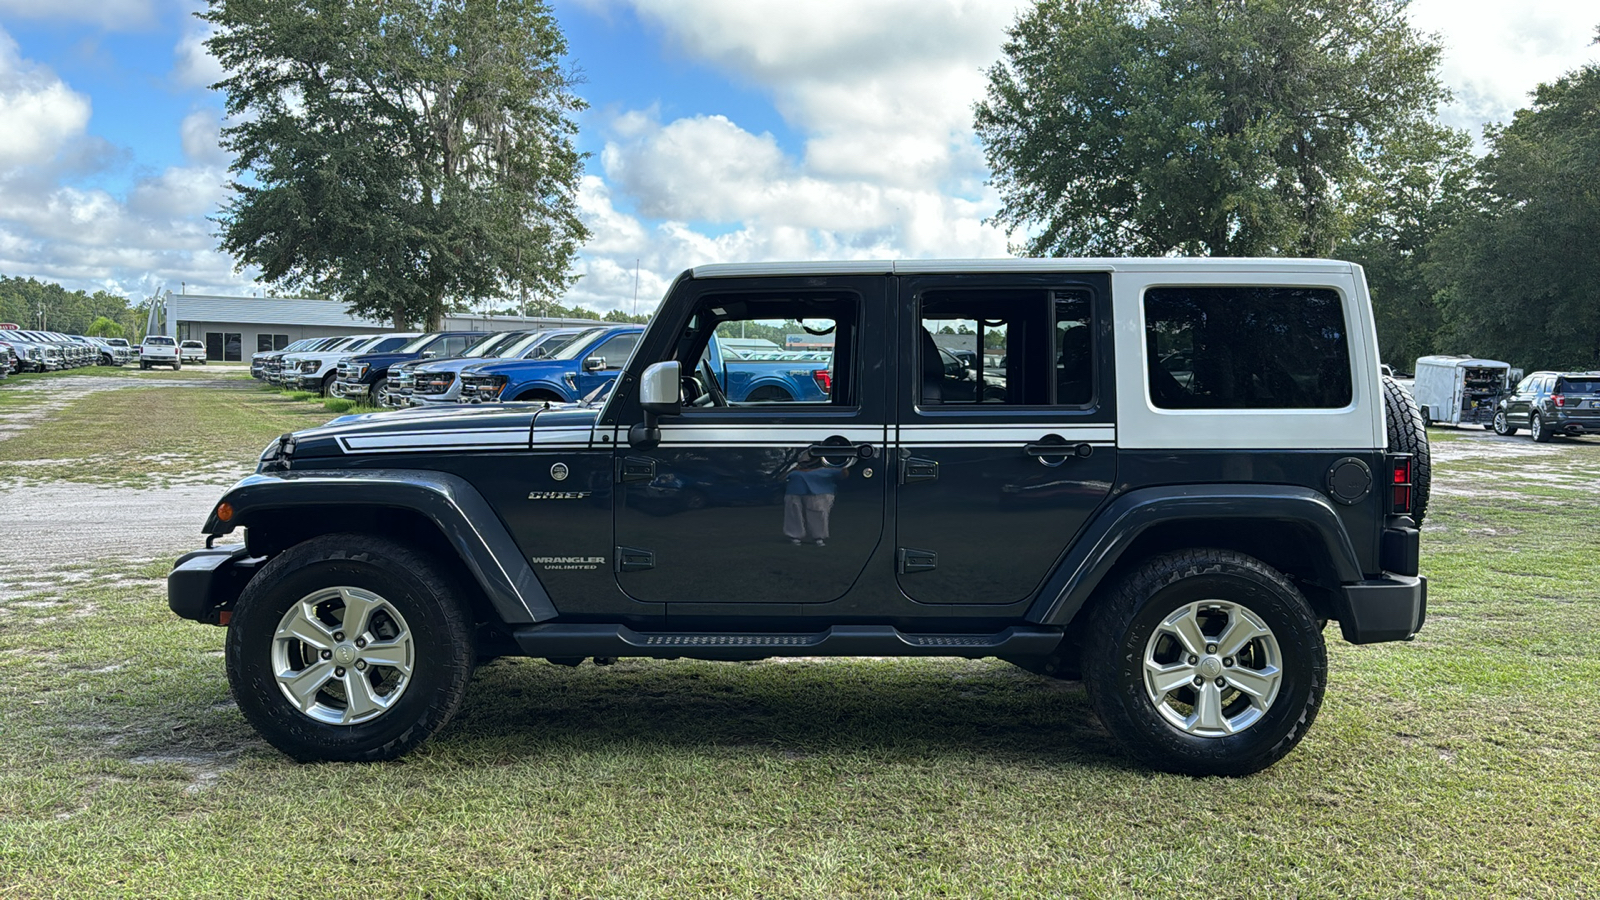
(232, 328)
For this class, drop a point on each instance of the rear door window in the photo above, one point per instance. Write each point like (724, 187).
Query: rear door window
(1247, 348)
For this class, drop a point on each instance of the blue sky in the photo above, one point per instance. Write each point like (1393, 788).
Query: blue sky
(719, 130)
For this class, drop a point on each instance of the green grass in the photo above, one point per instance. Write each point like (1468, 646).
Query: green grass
(145, 436)
(1463, 764)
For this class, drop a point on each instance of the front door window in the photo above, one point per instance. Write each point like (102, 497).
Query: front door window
(769, 487)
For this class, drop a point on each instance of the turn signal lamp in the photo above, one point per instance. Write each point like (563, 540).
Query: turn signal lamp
(224, 512)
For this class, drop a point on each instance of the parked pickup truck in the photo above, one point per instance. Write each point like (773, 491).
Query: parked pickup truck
(364, 377)
(425, 382)
(316, 370)
(159, 350)
(589, 362)
(1178, 544)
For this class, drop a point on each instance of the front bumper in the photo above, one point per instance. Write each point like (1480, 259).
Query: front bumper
(203, 585)
(349, 390)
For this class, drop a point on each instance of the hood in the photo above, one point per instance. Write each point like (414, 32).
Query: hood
(449, 365)
(382, 360)
(455, 429)
(520, 366)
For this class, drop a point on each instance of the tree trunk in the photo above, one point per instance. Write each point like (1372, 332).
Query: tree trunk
(399, 311)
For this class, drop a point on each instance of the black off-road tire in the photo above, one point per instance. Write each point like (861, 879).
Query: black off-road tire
(1122, 622)
(441, 627)
(1408, 434)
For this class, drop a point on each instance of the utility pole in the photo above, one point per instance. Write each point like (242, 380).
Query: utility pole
(636, 287)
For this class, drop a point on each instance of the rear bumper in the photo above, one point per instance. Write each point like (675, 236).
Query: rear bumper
(1391, 608)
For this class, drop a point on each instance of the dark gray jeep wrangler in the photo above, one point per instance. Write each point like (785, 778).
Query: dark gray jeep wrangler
(1165, 477)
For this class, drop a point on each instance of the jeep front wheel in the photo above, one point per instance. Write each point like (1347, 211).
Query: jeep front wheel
(1206, 662)
(349, 647)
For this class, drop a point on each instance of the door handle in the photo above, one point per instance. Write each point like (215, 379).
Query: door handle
(1053, 450)
(842, 451)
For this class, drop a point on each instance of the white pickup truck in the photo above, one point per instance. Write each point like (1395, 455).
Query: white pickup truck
(159, 350)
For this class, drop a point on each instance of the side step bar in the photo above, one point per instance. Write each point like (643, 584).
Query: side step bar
(568, 641)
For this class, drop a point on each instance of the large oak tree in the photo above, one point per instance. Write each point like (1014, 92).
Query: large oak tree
(1212, 127)
(401, 155)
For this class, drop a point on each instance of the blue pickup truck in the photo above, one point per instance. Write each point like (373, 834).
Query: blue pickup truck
(594, 359)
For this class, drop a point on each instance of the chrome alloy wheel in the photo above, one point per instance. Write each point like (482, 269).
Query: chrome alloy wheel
(1212, 668)
(342, 655)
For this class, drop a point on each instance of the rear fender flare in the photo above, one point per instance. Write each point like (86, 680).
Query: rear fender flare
(467, 521)
(1098, 549)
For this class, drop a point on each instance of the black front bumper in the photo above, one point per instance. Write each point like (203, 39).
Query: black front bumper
(203, 585)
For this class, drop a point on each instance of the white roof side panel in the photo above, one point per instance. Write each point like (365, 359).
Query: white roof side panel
(840, 267)
(1217, 265)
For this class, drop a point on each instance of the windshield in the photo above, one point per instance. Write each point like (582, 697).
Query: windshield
(418, 343)
(362, 345)
(493, 345)
(387, 344)
(117, 342)
(573, 347)
(548, 343)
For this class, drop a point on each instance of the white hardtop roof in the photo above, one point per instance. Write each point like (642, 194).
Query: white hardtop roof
(1457, 361)
(1021, 266)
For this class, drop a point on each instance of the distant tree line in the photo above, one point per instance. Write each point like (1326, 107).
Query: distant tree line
(47, 306)
(1303, 128)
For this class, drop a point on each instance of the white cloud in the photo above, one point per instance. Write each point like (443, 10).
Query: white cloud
(41, 114)
(200, 132)
(1496, 53)
(112, 14)
(193, 65)
(882, 96)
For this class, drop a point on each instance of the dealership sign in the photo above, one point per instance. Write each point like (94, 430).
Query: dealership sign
(8, 326)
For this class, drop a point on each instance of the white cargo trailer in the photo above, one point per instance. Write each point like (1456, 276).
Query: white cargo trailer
(1460, 390)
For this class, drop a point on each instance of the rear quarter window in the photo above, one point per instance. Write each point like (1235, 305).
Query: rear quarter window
(1247, 348)
(1578, 385)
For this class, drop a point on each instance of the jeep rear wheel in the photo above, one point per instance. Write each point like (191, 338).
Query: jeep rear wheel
(1206, 662)
(349, 647)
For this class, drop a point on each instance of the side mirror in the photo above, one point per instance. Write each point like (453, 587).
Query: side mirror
(661, 394)
(594, 364)
(429, 354)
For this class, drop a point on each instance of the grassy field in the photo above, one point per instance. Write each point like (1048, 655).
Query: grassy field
(144, 436)
(1463, 764)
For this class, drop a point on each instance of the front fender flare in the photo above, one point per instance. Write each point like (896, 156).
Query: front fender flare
(466, 520)
(1085, 565)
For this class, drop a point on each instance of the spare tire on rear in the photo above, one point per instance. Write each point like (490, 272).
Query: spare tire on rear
(1408, 434)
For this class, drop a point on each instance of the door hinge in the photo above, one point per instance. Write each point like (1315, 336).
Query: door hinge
(912, 561)
(632, 559)
(635, 468)
(913, 470)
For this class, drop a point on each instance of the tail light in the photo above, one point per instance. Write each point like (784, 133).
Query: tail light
(1558, 399)
(824, 380)
(1400, 498)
